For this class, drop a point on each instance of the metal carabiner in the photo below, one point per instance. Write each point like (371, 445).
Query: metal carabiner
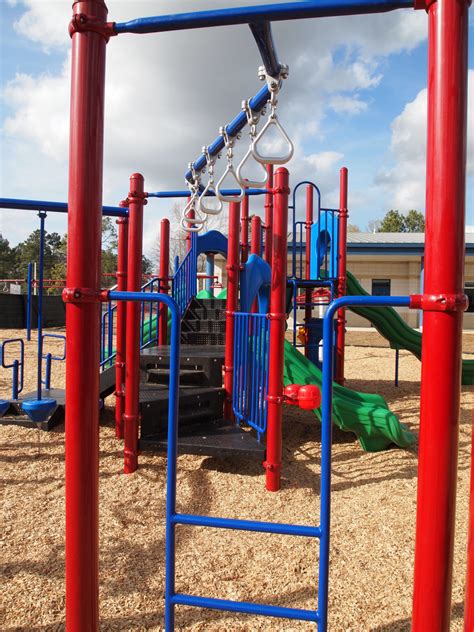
(209, 210)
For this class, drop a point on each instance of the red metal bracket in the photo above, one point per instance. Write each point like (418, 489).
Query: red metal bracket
(121, 220)
(84, 295)
(272, 467)
(439, 302)
(276, 316)
(276, 399)
(81, 23)
(277, 190)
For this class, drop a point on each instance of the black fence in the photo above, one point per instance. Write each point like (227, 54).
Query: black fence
(13, 311)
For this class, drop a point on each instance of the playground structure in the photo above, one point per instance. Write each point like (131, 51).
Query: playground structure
(443, 303)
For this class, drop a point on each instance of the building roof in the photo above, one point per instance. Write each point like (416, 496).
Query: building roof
(395, 243)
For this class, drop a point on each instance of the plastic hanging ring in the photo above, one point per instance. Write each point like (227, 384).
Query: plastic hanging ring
(247, 182)
(229, 198)
(191, 229)
(209, 210)
(272, 160)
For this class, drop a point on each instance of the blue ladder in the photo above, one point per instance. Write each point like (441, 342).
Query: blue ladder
(172, 598)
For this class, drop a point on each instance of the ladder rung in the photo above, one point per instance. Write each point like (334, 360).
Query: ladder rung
(247, 525)
(245, 606)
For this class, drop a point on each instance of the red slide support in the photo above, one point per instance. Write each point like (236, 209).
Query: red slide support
(122, 260)
(232, 267)
(83, 321)
(277, 318)
(164, 280)
(308, 292)
(267, 255)
(342, 276)
(135, 202)
(442, 328)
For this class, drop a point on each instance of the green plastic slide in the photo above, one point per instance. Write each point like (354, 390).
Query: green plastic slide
(364, 414)
(392, 327)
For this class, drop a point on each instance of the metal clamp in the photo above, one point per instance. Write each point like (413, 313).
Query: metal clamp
(83, 295)
(439, 302)
(81, 23)
(190, 223)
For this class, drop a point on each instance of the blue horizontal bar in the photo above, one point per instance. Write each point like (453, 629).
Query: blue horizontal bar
(245, 607)
(247, 525)
(256, 103)
(272, 12)
(54, 207)
(185, 193)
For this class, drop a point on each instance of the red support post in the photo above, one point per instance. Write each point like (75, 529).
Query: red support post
(83, 322)
(442, 330)
(191, 215)
(232, 268)
(469, 600)
(136, 201)
(277, 318)
(256, 246)
(268, 217)
(308, 291)
(244, 231)
(122, 256)
(342, 276)
(164, 280)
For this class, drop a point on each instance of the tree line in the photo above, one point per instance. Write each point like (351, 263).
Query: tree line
(14, 260)
(394, 222)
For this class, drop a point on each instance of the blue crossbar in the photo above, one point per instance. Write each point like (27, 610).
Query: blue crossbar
(55, 207)
(272, 12)
(245, 607)
(247, 525)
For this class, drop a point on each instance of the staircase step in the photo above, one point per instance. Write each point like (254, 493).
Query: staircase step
(208, 303)
(201, 338)
(194, 377)
(203, 313)
(208, 360)
(204, 326)
(215, 438)
(195, 405)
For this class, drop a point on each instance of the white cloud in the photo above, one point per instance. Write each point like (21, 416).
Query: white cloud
(167, 94)
(405, 180)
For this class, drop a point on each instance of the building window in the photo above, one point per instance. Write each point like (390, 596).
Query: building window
(380, 287)
(469, 292)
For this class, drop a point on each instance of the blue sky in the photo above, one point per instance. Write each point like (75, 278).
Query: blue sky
(363, 138)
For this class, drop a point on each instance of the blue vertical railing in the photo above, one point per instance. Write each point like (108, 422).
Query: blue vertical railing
(17, 365)
(250, 379)
(149, 315)
(49, 357)
(107, 337)
(185, 279)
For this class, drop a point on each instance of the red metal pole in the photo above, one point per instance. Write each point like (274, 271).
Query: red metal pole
(136, 201)
(164, 276)
(232, 268)
(342, 276)
(268, 217)
(469, 601)
(122, 255)
(244, 231)
(442, 330)
(256, 246)
(83, 322)
(308, 291)
(277, 317)
(191, 215)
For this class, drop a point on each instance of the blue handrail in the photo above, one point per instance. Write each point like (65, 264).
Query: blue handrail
(185, 278)
(250, 378)
(49, 357)
(17, 366)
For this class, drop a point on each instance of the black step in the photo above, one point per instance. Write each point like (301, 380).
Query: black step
(192, 358)
(195, 406)
(208, 303)
(201, 338)
(205, 326)
(216, 438)
(187, 377)
(203, 313)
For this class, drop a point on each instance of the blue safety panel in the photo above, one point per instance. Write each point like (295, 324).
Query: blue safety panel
(211, 242)
(324, 246)
(255, 279)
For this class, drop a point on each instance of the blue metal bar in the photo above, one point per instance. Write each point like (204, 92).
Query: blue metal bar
(271, 12)
(17, 375)
(42, 216)
(185, 193)
(56, 207)
(15, 386)
(209, 272)
(262, 32)
(248, 525)
(326, 431)
(47, 379)
(57, 337)
(244, 607)
(256, 103)
(29, 300)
